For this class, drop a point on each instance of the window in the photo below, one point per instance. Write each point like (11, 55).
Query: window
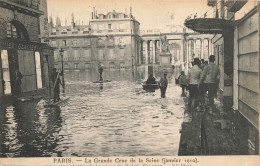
(56, 53)
(100, 54)
(75, 32)
(66, 66)
(87, 66)
(109, 27)
(122, 52)
(87, 41)
(76, 54)
(111, 53)
(64, 42)
(87, 54)
(11, 31)
(66, 57)
(76, 66)
(54, 42)
(122, 65)
(74, 42)
(112, 65)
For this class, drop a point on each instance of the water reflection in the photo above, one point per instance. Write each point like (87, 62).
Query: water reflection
(117, 118)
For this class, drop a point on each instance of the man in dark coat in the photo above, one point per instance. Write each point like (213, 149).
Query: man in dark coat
(55, 77)
(18, 81)
(163, 85)
(100, 70)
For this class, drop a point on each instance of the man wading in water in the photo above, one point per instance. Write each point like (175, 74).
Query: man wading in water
(55, 77)
(100, 70)
(163, 85)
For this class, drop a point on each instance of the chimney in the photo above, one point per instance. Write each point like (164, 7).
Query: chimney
(94, 13)
(130, 11)
(72, 22)
(51, 21)
(65, 22)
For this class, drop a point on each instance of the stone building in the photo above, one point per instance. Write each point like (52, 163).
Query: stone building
(20, 45)
(111, 40)
(236, 47)
(115, 41)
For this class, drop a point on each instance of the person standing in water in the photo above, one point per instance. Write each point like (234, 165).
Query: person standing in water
(18, 81)
(55, 77)
(100, 70)
(163, 85)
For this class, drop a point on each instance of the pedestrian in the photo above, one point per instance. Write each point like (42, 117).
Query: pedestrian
(163, 85)
(183, 83)
(210, 77)
(18, 81)
(55, 77)
(100, 70)
(151, 80)
(202, 65)
(194, 80)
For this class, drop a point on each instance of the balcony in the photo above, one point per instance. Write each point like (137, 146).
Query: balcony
(28, 7)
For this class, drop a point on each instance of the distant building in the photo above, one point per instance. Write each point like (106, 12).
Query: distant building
(21, 47)
(115, 41)
(111, 40)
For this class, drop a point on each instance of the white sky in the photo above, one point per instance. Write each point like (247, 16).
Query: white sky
(152, 14)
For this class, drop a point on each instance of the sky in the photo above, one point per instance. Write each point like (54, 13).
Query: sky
(152, 14)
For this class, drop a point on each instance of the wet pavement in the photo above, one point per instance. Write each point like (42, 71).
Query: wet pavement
(207, 132)
(117, 118)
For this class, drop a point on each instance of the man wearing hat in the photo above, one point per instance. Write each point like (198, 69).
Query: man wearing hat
(210, 77)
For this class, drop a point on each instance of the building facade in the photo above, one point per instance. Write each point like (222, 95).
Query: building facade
(116, 41)
(110, 40)
(21, 48)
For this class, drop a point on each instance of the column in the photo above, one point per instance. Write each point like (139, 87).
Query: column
(202, 50)
(145, 43)
(194, 47)
(140, 52)
(210, 48)
(154, 46)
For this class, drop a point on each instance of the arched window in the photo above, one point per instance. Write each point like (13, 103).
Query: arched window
(11, 30)
(16, 29)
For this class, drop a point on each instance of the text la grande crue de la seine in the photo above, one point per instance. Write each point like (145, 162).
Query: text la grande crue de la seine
(122, 160)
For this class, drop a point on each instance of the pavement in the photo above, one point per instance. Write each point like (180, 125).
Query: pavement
(208, 133)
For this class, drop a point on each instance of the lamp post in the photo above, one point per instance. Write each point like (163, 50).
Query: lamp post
(63, 82)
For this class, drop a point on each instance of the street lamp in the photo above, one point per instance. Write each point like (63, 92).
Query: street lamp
(63, 82)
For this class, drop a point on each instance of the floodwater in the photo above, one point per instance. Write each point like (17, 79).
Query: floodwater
(117, 118)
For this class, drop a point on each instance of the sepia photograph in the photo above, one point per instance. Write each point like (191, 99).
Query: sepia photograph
(129, 81)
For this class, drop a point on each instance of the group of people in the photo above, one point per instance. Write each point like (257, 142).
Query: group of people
(202, 77)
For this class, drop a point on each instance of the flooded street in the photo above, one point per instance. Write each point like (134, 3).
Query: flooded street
(117, 118)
